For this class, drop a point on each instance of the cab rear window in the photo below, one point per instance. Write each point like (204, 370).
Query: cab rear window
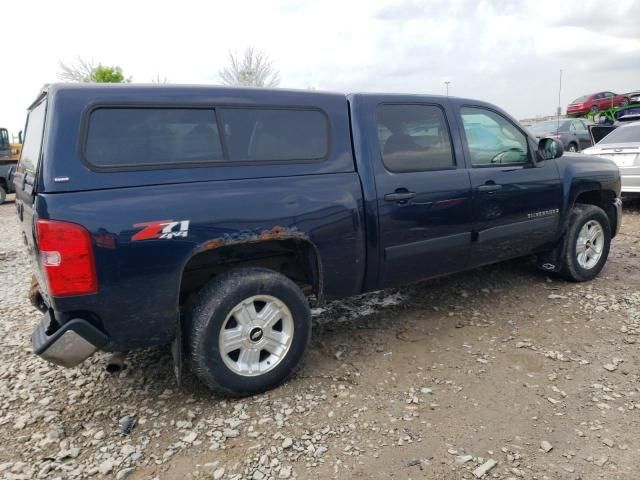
(136, 137)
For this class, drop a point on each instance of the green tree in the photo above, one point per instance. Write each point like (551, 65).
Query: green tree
(102, 74)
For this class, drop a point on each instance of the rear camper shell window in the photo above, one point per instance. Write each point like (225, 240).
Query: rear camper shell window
(34, 132)
(151, 137)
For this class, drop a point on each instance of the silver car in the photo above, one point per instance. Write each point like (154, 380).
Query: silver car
(622, 146)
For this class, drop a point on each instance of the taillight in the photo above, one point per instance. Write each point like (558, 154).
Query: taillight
(66, 255)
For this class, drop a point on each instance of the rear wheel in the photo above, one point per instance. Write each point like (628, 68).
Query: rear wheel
(625, 102)
(588, 243)
(249, 330)
(594, 109)
(573, 147)
(3, 195)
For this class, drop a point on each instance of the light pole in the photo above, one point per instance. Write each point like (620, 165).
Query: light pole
(447, 84)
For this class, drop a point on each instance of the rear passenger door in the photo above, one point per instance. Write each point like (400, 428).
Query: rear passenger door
(423, 194)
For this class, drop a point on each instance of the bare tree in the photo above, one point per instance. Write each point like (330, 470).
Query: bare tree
(160, 80)
(79, 71)
(253, 68)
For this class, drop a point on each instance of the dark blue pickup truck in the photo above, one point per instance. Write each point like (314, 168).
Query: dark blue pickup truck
(209, 216)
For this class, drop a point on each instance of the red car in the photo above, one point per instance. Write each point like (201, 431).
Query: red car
(596, 101)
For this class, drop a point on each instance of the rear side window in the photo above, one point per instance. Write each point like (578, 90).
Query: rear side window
(137, 137)
(33, 139)
(414, 138)
(274, 134)
(126, 137)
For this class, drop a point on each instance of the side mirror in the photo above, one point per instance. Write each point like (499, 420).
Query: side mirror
(549, 148)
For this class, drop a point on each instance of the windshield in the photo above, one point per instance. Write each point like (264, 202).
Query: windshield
(625, 134)
(580, 99)
(33, 139)
(550, 126)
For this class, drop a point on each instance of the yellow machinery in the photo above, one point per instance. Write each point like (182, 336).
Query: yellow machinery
(9, 152)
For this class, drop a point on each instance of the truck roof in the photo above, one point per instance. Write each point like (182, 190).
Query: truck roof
(200, 89)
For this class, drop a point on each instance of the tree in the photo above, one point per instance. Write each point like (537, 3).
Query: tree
(85, 71)
(102, 74)
(79, 71)
(159, 79)
(253, 68)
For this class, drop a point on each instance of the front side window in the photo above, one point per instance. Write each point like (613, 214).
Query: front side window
(130, 137)
(33, 139)
(414, 138)
(493, 140)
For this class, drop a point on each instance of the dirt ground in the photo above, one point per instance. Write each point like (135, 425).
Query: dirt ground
(430, 381)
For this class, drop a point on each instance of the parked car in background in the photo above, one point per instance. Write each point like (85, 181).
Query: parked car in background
(572, 132)
(634, 97)
(595, 102)
(622, 146)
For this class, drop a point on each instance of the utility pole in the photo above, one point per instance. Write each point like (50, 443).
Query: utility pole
(559, 106)
(447, 84)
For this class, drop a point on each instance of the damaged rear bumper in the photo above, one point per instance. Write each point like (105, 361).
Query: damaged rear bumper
(69, 344)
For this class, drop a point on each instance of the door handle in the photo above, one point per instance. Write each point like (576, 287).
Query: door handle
(401, 194)
(489, 188)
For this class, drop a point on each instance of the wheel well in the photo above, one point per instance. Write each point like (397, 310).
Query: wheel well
(603, 199)
(294, 258)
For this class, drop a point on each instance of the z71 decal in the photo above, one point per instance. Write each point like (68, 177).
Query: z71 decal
(162, 229)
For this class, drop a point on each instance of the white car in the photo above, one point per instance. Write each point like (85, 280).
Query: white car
(622, 146)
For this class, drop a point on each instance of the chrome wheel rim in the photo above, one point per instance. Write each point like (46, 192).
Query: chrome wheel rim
(256, 335)
(590, 244)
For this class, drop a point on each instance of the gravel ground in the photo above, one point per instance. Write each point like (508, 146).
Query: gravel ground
(500, 370)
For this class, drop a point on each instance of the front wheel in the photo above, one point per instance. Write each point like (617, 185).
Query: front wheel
(250, 328)
(588, 243)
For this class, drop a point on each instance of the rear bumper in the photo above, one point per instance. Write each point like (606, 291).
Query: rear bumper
(69, 344)
(577, 111)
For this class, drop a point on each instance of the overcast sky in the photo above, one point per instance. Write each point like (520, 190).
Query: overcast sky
(507, 52)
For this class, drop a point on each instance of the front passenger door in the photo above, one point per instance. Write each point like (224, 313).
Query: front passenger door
(516, 204)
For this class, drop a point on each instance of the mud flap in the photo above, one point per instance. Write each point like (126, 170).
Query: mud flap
(551, 261)
(176, 352)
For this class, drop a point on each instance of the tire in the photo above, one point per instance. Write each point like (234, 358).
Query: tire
(572, 147)
(594, 109)
(579, 269)
(3, 195)
(625, 102)
(233, 303)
